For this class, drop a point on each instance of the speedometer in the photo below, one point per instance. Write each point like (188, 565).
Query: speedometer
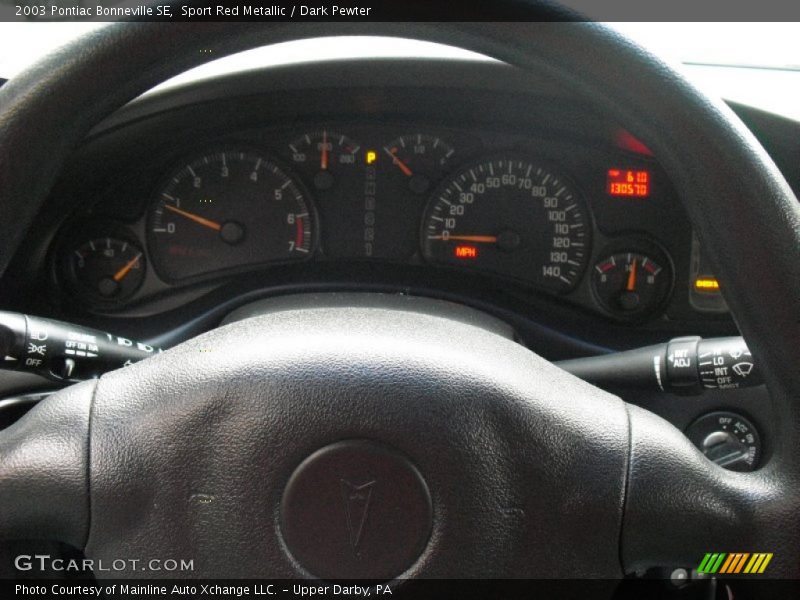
(512, 217)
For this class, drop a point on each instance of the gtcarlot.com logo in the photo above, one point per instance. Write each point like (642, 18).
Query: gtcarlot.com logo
(734, 563)
(45, 562)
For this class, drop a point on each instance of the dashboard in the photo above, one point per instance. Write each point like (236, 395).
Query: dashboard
(452, 179)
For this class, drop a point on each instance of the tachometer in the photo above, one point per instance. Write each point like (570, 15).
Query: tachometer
(513, 217)
(226, 210)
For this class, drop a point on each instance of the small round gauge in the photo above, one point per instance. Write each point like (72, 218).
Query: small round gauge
(225, 210)
(418, 160)
(728, 439)
(513, 217)
(107, 269)
(327, 153)
(631, 284)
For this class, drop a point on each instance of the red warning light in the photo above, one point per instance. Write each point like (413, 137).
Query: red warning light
(466, 252)
(624, 182)
(627, 141)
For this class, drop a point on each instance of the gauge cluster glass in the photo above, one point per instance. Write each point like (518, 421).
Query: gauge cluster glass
(534, 214)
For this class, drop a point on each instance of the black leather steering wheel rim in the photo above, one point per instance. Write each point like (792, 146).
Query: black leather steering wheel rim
(743, 210)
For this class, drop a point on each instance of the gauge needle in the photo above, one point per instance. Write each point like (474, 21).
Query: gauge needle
(193, 217)
(481, 239)
(632, 278)
(323, 159)
(403, 166)
(120, 275)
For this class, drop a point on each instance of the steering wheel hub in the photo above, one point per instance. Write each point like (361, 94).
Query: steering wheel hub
(356, 510)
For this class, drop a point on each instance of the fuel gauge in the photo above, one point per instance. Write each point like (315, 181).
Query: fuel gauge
(418, 160)
(631, 284)
(106, 269)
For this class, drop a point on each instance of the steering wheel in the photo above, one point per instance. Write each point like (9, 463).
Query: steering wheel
(373, 442)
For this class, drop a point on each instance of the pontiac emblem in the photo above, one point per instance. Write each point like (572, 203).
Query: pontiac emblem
(356, 505)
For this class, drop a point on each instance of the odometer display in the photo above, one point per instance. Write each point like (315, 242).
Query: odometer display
(512, 217)
(228, 210)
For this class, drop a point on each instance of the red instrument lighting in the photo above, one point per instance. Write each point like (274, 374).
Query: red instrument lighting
(466, 252)
(625, 182)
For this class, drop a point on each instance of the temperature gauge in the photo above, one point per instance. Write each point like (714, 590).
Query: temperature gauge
(631, 284)
(107, 269)
(327, 154)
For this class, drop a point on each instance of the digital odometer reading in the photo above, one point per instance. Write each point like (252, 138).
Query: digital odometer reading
(628, 183)
(511, 217)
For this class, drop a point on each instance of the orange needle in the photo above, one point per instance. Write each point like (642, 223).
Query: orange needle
(324, 157)
(403, 166)
(193, 217)
(119, 275)
(484, 239)
(632, 278)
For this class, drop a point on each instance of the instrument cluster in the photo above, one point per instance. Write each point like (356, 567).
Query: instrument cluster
(585, 222)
